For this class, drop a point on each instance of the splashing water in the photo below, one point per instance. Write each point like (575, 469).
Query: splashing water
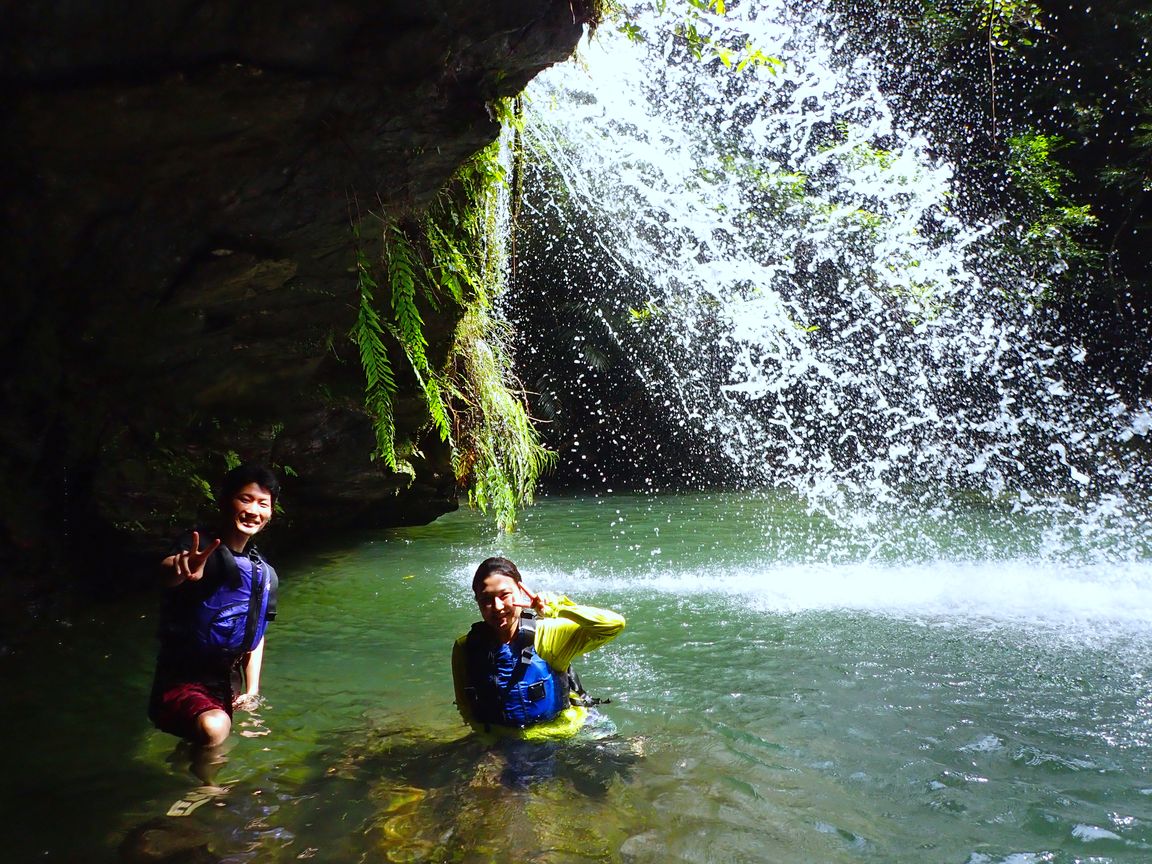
(787, 272)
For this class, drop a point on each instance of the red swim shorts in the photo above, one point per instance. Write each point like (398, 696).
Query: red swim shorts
(178, 707)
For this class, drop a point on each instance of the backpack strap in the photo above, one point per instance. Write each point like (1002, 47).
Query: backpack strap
(579, 694)
(255, 598)
(273, 583)
(526, 643)
(226, 561)
(526, 638)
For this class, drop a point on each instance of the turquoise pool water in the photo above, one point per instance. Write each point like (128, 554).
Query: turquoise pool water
(960, 690)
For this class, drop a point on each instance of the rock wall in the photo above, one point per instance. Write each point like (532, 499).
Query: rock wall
(178, 252)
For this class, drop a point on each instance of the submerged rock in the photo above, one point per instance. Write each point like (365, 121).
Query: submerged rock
(166, 840)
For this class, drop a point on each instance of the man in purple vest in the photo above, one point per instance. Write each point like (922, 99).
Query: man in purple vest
(219, 597)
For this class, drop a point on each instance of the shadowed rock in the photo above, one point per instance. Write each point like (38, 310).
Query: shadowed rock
(179, 261)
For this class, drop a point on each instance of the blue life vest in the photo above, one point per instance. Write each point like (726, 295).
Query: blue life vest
(510, 684)
(233, 619)
(225, 614)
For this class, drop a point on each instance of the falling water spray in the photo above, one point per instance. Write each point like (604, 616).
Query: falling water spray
(726, 216)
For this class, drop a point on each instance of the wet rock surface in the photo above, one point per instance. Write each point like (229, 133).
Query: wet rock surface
(179, 257)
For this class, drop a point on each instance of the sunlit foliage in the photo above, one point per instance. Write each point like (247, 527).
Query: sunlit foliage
(474, 403)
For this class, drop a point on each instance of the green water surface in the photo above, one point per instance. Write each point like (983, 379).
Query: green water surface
(787, 690)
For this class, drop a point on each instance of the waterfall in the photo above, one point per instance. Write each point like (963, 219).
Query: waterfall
(790, 278)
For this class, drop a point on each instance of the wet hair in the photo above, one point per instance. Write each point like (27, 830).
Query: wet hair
(494, 565)
(242, 475)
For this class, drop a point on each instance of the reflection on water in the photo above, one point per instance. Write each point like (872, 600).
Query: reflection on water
(768, 705)
(466, 799)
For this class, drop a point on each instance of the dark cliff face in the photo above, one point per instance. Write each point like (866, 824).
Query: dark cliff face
(178, 255)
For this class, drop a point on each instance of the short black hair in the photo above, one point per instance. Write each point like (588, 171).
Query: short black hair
(494, 565)
(242, 475)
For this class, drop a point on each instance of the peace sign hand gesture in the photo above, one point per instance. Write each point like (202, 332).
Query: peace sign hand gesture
(534, 601)
(189, 563)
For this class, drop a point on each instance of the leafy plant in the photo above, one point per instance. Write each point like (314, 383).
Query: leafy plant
(498, 455)
(405, 271)
(645, 314)
(1056, 222)
(379, 382)
(1008, 22)
(473, 400)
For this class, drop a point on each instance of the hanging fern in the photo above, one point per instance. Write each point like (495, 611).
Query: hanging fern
(451, 268)
(437, 403)
(498, 455)
(474, 402)
(404, 271)
(379, 383)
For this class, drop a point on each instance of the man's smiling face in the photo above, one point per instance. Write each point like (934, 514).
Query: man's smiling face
(500, 603)
(248, 511)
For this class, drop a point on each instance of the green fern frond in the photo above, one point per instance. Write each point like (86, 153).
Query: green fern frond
(452, 269)
(438, 407)
(380, 384)
(499, 456)
(474, 403)
(404, 272)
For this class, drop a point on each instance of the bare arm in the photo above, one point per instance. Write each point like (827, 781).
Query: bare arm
(248, 700)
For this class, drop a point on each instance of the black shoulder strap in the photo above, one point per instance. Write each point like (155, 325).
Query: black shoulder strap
(526, 638)
(273, 582)
(255, 599)
(226, 561)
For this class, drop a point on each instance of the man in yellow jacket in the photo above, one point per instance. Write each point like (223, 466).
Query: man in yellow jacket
(511, 670)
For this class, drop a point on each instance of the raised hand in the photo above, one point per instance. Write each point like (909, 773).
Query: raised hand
(533, 600)
(189, 563)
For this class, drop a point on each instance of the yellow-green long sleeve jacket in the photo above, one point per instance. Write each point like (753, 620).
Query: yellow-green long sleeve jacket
(565, 631)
